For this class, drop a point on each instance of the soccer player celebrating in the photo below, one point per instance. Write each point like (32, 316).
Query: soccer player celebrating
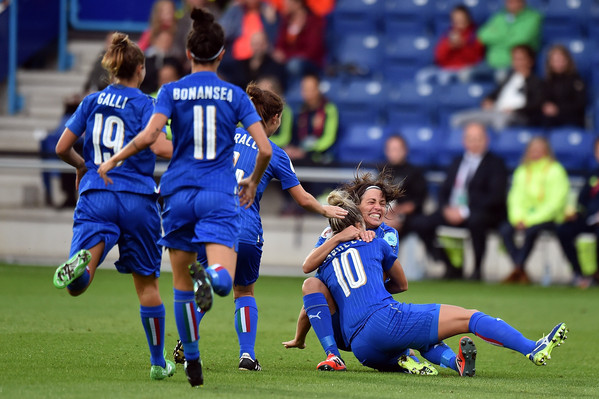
(380, 329)
(269, 106)
(371, 194)
(125, 213)
(201, 205)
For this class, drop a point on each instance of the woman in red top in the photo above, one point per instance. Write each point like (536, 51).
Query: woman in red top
(457, 51)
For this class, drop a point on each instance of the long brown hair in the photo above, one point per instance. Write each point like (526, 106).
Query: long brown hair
(570, 70)
(122, 57)
(267, 103)
(363, 180)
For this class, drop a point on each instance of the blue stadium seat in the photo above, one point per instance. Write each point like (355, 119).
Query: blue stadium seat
(423, 142)
(364, 52)
(361, 101)
(511, 143)
(410, 102)
(356, 16)
(566, 10)
(479, 9)
(451, 146)
(459, 96)
(408, 16)
(413, 48)
(361, 143)
(573, 147)
(293, 97)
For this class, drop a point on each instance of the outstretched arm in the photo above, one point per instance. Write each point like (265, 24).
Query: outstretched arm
(301, 331)
(309, 203)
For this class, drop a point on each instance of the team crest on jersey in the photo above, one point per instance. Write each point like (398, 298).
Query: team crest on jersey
(390, 238)
(327, 233)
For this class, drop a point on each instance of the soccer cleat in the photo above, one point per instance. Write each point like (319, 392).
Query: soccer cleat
(542, 351)
(466, 358)
(193, 371)
(247, 363)
(202, 287)
(72, 269)
(411, 366)
(178, 353)
(160, 373)
(332, 363)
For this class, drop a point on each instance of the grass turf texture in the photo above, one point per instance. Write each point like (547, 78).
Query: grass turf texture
(55, 346)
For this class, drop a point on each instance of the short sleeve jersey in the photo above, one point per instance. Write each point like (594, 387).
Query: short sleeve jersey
(353, 272)
(387, 233)
(280, 167)
(204, 113)
(112, 118)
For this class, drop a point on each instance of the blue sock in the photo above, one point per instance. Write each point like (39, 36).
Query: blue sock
(320, 317)
(246, 322)
(152, 318)
(186, 318)
(497, 332)
(221, 279)
(441, 354)
(80, 282)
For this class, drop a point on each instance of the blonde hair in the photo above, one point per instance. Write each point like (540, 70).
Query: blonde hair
(538, 139)
(343, 200)
(122, 57)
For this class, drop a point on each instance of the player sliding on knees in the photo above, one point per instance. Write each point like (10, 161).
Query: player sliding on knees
(200, 191)
(125, 213)
(380, 329)
(269, 106)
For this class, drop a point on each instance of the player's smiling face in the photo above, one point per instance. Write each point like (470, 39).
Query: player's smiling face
(373, 206)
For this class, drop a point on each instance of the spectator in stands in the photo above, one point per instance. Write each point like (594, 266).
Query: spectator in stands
(472, 196)
(322, 8)
(315, 129)
(516, 101)
(411, 179)
(260, 64)
(565, 92)
(282, 137)
(536, 201)
(162, 19)
(241, 21)
(457, 50)
(516, 24)
(300, 41)
(157, 55)
(585, 219)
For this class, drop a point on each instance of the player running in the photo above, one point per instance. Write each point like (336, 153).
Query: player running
(201, 205)
(380, 329)
(371, 194)
(125, 213)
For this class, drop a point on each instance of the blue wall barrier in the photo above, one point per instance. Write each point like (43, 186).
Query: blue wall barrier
(106, 15)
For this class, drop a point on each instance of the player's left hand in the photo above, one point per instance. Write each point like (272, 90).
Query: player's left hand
(247, 192)
(334, 212)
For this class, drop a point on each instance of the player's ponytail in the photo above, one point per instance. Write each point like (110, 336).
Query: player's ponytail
(122, 57)
(343, 200)
(206, 39)
(267, 103)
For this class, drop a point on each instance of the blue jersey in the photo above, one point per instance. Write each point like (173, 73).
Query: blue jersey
(112, 118)
(387, 233)
(280, 167)
(204, 112)
(353, 272)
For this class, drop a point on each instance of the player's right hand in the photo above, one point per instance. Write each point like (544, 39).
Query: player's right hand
(103, 170)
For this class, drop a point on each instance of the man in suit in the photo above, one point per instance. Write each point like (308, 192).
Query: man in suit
(473, 196)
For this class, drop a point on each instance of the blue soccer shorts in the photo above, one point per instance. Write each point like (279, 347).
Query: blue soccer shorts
(115, 217)
(194, 216)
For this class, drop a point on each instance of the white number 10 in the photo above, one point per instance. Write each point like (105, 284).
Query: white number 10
(198, 131)
(343, 271)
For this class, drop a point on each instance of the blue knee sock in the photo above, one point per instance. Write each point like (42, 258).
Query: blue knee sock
(497, 332)
(441, 354)
(246, 322)
(320, 317)
(80, 282)
(186, 318)
(221, 279)
(152, 318)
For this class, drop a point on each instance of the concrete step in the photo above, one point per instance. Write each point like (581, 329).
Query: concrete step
(22, 122)
(50, 78)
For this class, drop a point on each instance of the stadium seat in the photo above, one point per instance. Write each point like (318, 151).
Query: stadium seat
(410, 102)
(413, 48)
(423, 141)
(573, 147)
(361, 101)
(408, 16)
(450, 148)
(361, 143)
(459, 96)
(479, 9)
(293, 97)
(356, 16)
(510, 144)
(364, 52)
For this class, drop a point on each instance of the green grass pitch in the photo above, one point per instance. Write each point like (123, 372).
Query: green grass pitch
(93, 346)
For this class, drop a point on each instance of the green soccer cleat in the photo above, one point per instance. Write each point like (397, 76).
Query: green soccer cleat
(160, 373)
(72, 269)
(411, 366)
(542, 352)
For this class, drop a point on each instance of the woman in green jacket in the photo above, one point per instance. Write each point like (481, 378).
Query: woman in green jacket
(536, 201)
